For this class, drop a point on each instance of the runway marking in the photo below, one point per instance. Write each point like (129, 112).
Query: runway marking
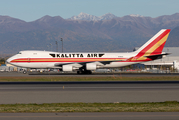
(60, 116)
(31, 88)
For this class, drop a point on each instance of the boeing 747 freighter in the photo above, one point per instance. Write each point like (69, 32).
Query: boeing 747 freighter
(86, 62)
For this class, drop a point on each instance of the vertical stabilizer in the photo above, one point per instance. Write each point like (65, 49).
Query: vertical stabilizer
(154, 46)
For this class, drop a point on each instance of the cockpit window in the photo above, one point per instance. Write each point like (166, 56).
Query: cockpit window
(19, 53)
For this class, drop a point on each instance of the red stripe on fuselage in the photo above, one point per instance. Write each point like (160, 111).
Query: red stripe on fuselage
(64, 59)
(37, 60)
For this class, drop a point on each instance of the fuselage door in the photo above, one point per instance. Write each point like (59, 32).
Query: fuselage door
(28, 59)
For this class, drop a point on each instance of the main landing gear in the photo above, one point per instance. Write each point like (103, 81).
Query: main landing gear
(25, 72)
(84, 72)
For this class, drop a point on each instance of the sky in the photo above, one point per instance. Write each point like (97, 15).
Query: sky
(30, 10)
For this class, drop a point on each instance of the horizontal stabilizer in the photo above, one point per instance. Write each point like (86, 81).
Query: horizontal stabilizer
(158, 56)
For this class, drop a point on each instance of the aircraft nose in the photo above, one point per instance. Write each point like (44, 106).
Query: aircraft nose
(8, 60)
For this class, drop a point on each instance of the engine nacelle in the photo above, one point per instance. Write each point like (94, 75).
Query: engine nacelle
(90, 66)
(68, 68)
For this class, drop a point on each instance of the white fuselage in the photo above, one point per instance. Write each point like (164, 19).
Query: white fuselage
(47, 59)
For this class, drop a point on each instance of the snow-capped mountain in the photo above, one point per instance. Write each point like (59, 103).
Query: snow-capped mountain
(136, 15)
(85, 16)
(107, 16)
(118, 34)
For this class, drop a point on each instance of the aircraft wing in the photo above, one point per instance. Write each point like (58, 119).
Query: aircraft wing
(83, 63)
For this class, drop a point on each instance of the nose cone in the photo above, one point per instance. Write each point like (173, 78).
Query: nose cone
(12, 59)
(8, 60)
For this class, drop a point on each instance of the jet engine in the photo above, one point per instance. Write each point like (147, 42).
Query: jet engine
(91, 66)
(67, 68)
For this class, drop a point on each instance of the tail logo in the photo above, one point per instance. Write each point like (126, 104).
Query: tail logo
(154, 46)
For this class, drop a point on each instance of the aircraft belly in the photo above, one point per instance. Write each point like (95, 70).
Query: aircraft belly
(118, 64)
(36, 65)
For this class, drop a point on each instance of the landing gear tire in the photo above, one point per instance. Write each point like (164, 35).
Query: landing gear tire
(88, 72)
(78, 72)
(24, 72)
(84, 72)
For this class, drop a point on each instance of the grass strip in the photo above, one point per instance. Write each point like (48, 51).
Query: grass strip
(168, 106)
(112, 78)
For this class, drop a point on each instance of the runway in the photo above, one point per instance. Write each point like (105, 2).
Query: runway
(49, 74)
(103, 92)
(92, 116)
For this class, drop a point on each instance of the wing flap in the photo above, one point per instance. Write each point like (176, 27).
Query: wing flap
(83, 63)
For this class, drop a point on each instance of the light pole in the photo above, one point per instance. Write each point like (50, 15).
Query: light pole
(62, 44)
(50, 47)
(47, 47)
(56, 45)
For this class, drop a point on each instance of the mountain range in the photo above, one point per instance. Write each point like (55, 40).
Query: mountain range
(84, 16)
(84, 32)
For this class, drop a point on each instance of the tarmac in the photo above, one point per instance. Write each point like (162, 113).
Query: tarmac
(74, 74)
(92, 116)
(104, 92)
